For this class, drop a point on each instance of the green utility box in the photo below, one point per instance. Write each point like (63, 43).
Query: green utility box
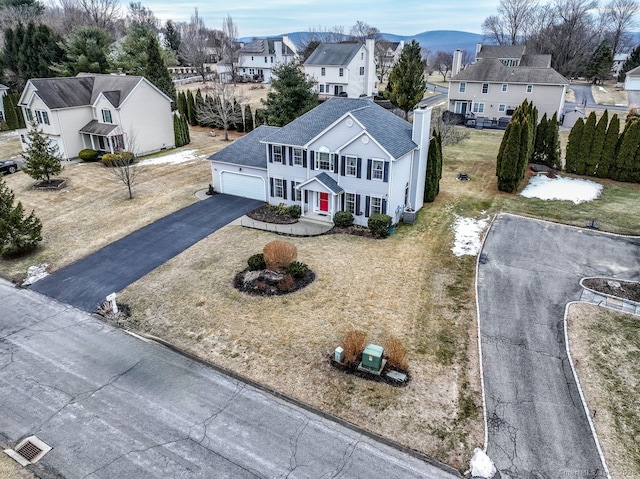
(372, 357)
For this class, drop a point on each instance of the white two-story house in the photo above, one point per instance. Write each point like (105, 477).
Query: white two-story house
(501, 78)
(344, 155)
(257, 59)
(343, 69)
(108, 113)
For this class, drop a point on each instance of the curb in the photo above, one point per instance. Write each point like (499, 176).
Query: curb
(306, 407)
(634, 306)
(575, 377)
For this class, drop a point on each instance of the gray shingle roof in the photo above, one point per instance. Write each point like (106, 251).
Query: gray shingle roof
(634, 72)
(96, 128)
(536, 61)
(501, 51)
(337, 54)
(391, 131)
(84, 89)
(327, 181)
(265, 46)
(492, 70)
(247, 150)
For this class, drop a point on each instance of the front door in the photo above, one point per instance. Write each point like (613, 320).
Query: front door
(324, 202)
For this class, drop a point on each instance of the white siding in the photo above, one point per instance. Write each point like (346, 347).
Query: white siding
(218, 170)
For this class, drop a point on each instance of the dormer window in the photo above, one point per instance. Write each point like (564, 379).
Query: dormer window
(28, 115)
(106, 116)
(509, 62)
(42, 117)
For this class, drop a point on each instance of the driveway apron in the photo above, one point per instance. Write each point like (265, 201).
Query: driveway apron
(537, 425)
(87, 282)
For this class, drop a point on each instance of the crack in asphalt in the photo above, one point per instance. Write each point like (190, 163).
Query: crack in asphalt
(293, 441)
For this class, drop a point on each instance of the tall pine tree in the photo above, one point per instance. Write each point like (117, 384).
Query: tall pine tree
(573, 147)
(434, 168)
(508, 174)
(407, 78)
(156, 71)
(18, 234)
(597, 145)
(540, 148)
(607, 157)
(625, 168)
(191, 109)
(585, 144)
(41, 159)
(553, 159)
(291, 95)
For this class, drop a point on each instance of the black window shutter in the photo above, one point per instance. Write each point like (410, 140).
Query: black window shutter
(311, 159)
(358, 205)
(369, 169)
(270, 153)
(284, 189)
(367, 204)
(306, 196)
(359, 172)
(270, 186)
(290, 155)
(304, 158)
(384, 206)
(386, 172)
(342, 201)
(335, 162)
(342, 165)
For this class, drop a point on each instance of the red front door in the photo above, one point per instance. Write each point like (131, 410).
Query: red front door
(324, 202)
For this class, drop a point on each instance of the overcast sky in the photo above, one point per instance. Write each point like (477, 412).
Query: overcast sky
(273, 17)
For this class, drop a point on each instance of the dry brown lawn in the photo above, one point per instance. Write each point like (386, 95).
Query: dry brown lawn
(250, 93)
(609, 95)
(10, 469)
(605, 346)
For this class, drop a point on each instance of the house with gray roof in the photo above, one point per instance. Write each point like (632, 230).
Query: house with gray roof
(343, 69)
(257, 59)
(501, 78)
(344, 155)
(107, 113)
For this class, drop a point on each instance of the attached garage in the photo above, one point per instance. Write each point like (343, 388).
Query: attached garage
(247, 186)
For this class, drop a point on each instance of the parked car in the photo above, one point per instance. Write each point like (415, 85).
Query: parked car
(8, 166)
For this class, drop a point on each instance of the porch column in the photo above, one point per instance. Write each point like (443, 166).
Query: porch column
(93, 144)
(84, 141)
(110, 144)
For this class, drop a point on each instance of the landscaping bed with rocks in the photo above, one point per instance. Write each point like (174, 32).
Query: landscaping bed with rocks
(621, 289)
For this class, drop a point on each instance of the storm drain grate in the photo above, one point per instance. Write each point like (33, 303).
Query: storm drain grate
(29, 451)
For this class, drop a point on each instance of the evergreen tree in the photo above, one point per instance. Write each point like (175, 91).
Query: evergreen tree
(260, 117)
(407, 78)
(434, 169)
(601, 63)
(573, 147)
(632, 61)
(291, 95)
(241, 118)
(553, 143)
(10, 114)
(632, 115)
(86, 50)
(609, 148)
(199, 104)
(521, 167)
(597, 144)
(171, 37)
(248, 118)
(625, 166)
(156, 71)
(18, 234)
(42, 158)
(584, 150)
(540, 148)
(182, 104)
(508, 176)
(191, 109)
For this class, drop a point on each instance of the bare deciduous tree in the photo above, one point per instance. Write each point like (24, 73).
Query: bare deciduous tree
(441, 62)
(450, 133)
(362, 31)
(385, 57)
(221, 107)
(124, 168)
(619, 19)
(509, 25)
(193, 44)
(230, 47)
(103, 13)
(142, 15)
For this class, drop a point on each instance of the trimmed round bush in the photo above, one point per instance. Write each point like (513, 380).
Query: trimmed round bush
(380, 224)
(88, 154)
(279, 254)
(127, 156)
(294, 211)
(297, 269)
(110, 159)
(343, 219)
(256, 262)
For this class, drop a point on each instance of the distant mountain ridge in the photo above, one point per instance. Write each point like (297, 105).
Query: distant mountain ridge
(434, 40)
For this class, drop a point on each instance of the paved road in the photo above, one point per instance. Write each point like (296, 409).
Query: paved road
(583, 95)
(536, 422)
(113, 406)
(87, 282)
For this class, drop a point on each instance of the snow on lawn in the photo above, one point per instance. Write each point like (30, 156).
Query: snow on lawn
(467, 235)
(602, 89)
(171, 159)
(562, 188)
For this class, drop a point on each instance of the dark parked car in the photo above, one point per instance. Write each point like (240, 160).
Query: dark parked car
(8, 166)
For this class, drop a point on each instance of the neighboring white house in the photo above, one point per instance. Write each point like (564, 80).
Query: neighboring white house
(387, 55)
(345, 154)
(618, 62)
(108, 113)
(632, 80)
(343, 69)
(257, 58)
(501, 78)
(3, 91)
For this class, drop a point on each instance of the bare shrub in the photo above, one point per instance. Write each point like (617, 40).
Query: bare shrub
(353, 344)
(287, 283)
(279, 254)
(396, 354)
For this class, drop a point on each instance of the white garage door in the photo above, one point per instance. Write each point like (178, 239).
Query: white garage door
(243, 185)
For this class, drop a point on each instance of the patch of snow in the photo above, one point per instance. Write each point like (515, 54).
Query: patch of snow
(562, 188)
(171, 159)
(602, 89)
(35, 273)
(481, 465)
(467, 235)
(8, 136)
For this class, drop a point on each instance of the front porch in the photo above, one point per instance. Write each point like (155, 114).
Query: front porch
(102, 137)
(320, 198)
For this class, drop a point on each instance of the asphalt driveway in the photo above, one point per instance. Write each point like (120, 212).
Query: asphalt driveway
(114, 406)
(87, 282)
(537, 426)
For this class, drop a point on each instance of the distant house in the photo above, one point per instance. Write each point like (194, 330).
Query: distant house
(3, 91)
(501, 78)
(387, 54)
(344, 155)
(343, 69)
(108, 113)
(618, 62)
(257, 59)
(632, 80)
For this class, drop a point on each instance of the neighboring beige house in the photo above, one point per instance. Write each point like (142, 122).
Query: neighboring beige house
(343, 69)
(257, 58)
(501, 78)
(108, 113)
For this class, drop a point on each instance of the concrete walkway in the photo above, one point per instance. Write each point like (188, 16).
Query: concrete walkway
(301, 228)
